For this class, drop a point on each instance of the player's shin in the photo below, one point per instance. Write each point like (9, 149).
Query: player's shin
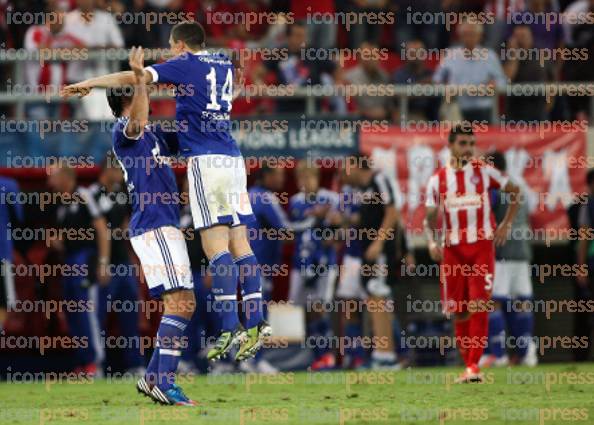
(496, 346)
(461, 329)
(251, 289)
(152, 370)
(522, 325)
(224, 288)
(170, 342)
(478, 327)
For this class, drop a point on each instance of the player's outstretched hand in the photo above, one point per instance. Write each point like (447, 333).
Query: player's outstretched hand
(501, 234)
(136, 61)
(78, 89)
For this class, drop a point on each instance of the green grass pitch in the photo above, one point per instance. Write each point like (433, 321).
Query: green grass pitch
(551, 394)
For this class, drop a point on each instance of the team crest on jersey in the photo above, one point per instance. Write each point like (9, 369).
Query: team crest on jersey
(475, 179)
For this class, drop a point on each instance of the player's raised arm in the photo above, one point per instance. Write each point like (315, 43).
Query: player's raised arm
(139, 108)
(116, 79)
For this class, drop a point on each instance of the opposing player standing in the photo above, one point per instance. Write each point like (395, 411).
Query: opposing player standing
(460, 190)
(217, 176)
(155, 236)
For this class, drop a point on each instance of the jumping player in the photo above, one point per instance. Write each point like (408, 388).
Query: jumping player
(141, 150)
(217, 176)
(461, 191)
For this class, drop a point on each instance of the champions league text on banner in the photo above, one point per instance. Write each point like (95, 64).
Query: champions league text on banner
(271, 136)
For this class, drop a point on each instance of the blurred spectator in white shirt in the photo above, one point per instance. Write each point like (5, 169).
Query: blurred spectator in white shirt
(472, 65)
(96, 29)
(46, 76)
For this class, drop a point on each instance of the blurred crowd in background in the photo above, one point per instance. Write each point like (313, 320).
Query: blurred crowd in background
(407, 47)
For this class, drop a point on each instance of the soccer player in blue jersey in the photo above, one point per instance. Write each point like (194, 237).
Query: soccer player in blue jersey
(216, 172)
(11, 216)
(141, 150)
(315, 270)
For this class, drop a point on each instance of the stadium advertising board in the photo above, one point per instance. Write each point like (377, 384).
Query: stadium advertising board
(296, 138)
(269, 136)
(550, 167)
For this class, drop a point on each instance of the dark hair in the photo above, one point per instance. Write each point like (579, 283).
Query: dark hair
(189, 32)
(460, 129)
(497, 160)
(118, 98)
(590, 176)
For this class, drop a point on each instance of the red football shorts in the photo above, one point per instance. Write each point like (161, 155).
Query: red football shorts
(466, 276)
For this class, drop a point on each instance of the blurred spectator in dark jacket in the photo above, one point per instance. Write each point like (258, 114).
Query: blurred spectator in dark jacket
(415, 71)
(134, 28)
(364, 30)
(410, 22)
(15, 19)
(500, 11)
(575, 16)
(581, 36)
(523, 66)
(301, 68)
(548, 34)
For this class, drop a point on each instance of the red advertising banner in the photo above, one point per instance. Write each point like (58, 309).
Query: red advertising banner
(550, 167)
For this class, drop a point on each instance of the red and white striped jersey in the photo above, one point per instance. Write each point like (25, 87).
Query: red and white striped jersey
(463, 195)
(45, 73)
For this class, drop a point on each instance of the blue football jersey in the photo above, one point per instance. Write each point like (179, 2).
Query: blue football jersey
(150, 180)
(309, 244)
(203, 92)
(9, 206)
(270, 218)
